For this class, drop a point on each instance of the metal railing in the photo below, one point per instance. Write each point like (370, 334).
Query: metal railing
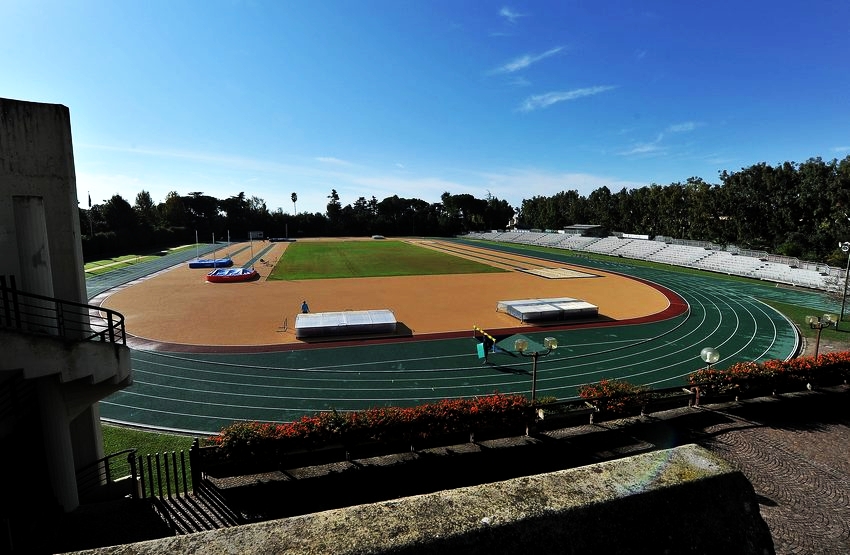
(163, 475)
(31, 313)
(157, 475)
(112, 476)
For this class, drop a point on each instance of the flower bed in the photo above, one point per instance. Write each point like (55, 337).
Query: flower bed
(419, 425)
(615, 396)
(773, 376)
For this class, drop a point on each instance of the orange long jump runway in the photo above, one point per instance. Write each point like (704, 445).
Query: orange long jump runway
(179, 307)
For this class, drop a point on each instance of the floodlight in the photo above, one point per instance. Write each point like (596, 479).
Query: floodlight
(709, 355)
(521, 345)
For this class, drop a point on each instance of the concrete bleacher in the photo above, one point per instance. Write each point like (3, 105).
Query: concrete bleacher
(552, 239)
(679, 255)
(728, 263)
(510, 237)
(773, 272)
(782, 273)
(743, 265)
(640, 248)
(810, 278)
(606, 245)
(577, 242)
(706, 256)
(531, 237)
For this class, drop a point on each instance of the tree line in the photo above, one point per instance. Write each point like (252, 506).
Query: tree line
(116, 226)
(800, 210)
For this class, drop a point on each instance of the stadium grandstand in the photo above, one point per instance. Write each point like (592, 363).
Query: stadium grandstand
(701, 255)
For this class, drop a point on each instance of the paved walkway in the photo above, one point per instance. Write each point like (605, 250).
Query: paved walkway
(796, 457)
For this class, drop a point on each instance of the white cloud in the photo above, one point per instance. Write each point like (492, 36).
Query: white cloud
(643, 149)
(655, 147)
(840, 149)
(646, 148)
(510, 15)
(545, 100)
(682, 127)
(524, 61)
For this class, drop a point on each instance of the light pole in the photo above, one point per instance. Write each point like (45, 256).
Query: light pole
(820, 322)
(845, 247)
(709, 356)
(521, 346)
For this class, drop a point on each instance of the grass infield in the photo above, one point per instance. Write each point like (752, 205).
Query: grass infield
(342, 259)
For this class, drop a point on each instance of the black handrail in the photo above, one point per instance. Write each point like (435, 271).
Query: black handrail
(29, 312)
(105, 471)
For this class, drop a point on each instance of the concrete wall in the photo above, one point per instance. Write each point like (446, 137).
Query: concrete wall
(37, 162)
(681, 500)
(39, 356)
(41, 247)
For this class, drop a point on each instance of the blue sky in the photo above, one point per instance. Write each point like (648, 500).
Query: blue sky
(376, 98)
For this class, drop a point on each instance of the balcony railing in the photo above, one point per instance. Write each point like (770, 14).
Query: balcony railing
(31, 313)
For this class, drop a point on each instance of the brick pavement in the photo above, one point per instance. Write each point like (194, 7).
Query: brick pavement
(795, 453)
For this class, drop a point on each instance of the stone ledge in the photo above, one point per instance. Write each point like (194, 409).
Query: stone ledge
(684, 499)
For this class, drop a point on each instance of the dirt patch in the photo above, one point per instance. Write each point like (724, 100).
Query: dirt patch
(179, 306)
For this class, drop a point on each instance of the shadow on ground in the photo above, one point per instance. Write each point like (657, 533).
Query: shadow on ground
(305, 490)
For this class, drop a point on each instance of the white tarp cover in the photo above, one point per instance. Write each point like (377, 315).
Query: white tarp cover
(561, 308)
(319, 324)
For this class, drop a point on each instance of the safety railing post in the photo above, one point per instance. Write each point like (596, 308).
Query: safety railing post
(131, 460)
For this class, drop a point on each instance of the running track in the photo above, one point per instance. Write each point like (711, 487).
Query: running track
(200, 393)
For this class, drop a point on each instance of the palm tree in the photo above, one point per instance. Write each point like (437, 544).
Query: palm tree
(294, 199)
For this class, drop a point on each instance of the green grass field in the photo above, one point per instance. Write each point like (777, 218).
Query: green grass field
(116, 438)
(342, 259)
(797, 314)
(119, 438)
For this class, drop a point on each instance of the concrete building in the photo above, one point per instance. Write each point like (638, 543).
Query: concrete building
(59, 356)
